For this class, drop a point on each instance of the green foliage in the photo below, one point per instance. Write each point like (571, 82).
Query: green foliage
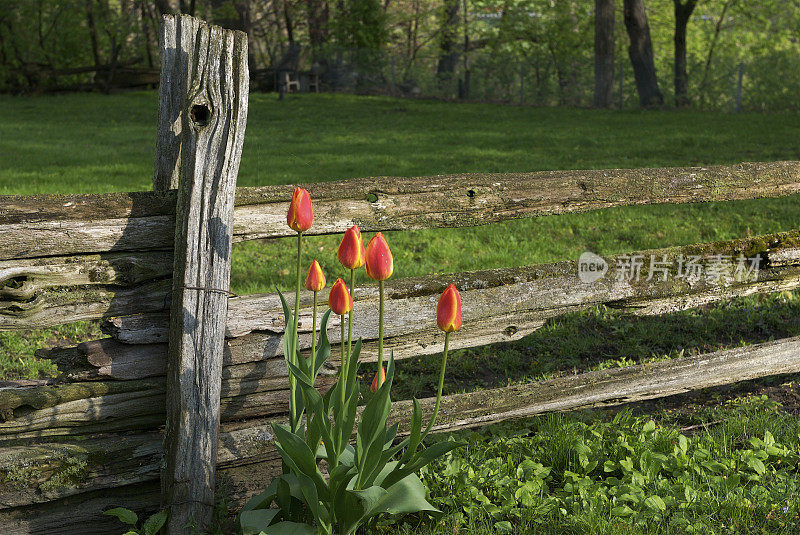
(549, 43)
(362, 25)
(40, 33)
(38, 38)
(564, 475)
(151, 526)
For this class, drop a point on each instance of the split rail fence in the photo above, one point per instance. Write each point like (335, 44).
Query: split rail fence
(154, 268)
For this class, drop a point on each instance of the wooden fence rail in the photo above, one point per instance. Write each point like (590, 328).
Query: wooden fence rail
(59, 225)
(118, 464)
(154, 268)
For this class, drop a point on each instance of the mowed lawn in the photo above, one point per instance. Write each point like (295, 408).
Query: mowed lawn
(83, 143)
(87, 143)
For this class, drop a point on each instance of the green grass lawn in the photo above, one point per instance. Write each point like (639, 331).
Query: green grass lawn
(87, 143)
(92, 143)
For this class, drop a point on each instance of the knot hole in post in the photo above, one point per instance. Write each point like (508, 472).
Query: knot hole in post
(471, 193)
(14, 282)
(200, 114)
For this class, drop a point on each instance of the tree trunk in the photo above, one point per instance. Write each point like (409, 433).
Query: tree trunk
(448, 53)
(717, 30)
(682, 14)
(603, 53)
(317, 13)
(287, 17)
(188, 7)
(641, 54)
(92, 32)
(168, 7)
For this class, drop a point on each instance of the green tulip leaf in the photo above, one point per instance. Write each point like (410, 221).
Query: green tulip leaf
(289, 331)
(415, 436)
(283, 496)
(154, 523)
(323, 345)
(368, 498)
(421, 459)
(372, 430)
(290, 528)
(263, 499)
(300, 375)
(296, 454)
(125, 516)
(405, 496)
(254, 522)
(353, 508)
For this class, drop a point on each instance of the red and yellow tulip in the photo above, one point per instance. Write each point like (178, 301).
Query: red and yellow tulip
(379, 261)
(339, 299)
(315, 280)
(351, 251)
(448, 311)
(300, 216)
(377, 382)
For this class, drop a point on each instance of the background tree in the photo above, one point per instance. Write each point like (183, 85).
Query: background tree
(317, 13)
(683, 12)
(361, 24)
(543, 51)
(448, 39)
(604, 53)
(641, 54)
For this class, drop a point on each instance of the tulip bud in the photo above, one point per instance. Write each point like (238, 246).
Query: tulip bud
(315, 280)
(380, 378)
(339, 299)
(380, 264)
(448, 312)
(300, 215)
(351, 251)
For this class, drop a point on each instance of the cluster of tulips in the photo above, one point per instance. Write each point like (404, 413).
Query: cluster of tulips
(379, 262)
(377, 474)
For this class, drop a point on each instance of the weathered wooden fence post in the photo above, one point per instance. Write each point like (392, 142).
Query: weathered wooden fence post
(202, 117)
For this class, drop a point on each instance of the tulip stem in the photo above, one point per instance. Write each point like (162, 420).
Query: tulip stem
(441, 384)
(350, 315)
(314, 337)
(343, 367)
(380, 328)
(295, 417)
(297, 291)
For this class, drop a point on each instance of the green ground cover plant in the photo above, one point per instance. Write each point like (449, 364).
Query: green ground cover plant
(736, 471)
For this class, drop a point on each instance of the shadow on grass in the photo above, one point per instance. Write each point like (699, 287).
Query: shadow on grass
(601, 338)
